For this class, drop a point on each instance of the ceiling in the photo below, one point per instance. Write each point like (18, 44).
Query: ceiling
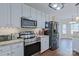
(69, 10)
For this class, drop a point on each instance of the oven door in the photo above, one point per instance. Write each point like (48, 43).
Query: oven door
(31, 49)
(31, 46)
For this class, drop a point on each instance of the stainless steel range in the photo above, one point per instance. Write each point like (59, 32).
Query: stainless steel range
(29, 37)
(31, 43)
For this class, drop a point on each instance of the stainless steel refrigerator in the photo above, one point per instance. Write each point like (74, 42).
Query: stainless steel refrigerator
(53, 35)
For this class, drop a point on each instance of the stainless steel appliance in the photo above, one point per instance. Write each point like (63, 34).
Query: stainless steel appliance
(28, 37)
(52, 27)
(31, 44)
(5, 37)
(28, 23)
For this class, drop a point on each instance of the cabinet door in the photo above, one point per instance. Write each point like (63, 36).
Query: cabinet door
(26, 11)
(5, 50)
(4, 14)
(47, 42)
(47, 18)
(50, 18)
(17, 52)
(38, 17)
(39, 24)
(43, 20)
(33, 13)
(7, 53)
(43, 16)
(20, 50)
(17, 49)
(16, 13)
(44, 43)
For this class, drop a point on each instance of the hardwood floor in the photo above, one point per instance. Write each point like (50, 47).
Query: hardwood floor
(65, 49)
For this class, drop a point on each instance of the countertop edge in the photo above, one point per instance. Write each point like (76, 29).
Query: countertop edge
(11, 42)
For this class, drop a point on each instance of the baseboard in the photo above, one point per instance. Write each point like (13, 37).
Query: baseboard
(66, 38)
(43, 51)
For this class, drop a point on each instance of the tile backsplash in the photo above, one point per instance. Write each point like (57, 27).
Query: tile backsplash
(13, 30)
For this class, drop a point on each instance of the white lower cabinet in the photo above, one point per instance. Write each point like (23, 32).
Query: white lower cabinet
(44, 43)
(5, 50)
(15, 49)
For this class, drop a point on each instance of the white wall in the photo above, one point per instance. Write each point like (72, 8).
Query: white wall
(75, 44)
(61, 22)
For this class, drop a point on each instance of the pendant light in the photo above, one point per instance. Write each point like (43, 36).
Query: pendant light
(72, 22)
(77, 17)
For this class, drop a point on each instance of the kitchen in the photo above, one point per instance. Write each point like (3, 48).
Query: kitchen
(22, 30)
(29, 30)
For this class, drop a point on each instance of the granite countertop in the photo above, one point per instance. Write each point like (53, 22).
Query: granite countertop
(11, 42)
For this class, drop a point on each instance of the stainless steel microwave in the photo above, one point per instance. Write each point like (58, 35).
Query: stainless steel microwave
(28, 23)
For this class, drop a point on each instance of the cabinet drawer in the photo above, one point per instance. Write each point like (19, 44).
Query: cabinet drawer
(17, 45)
(6, 53)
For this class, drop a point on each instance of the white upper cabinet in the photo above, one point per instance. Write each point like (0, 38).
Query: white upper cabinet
(43, 20)
(43, 16)
(26, 11)
(50, 18)
(33, 14)
(47, 18)
(38, 17)
(4, 14)
(16, 14)
(10, 15)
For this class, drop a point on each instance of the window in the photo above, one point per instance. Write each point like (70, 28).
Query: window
(74, 28)
(64, 28)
